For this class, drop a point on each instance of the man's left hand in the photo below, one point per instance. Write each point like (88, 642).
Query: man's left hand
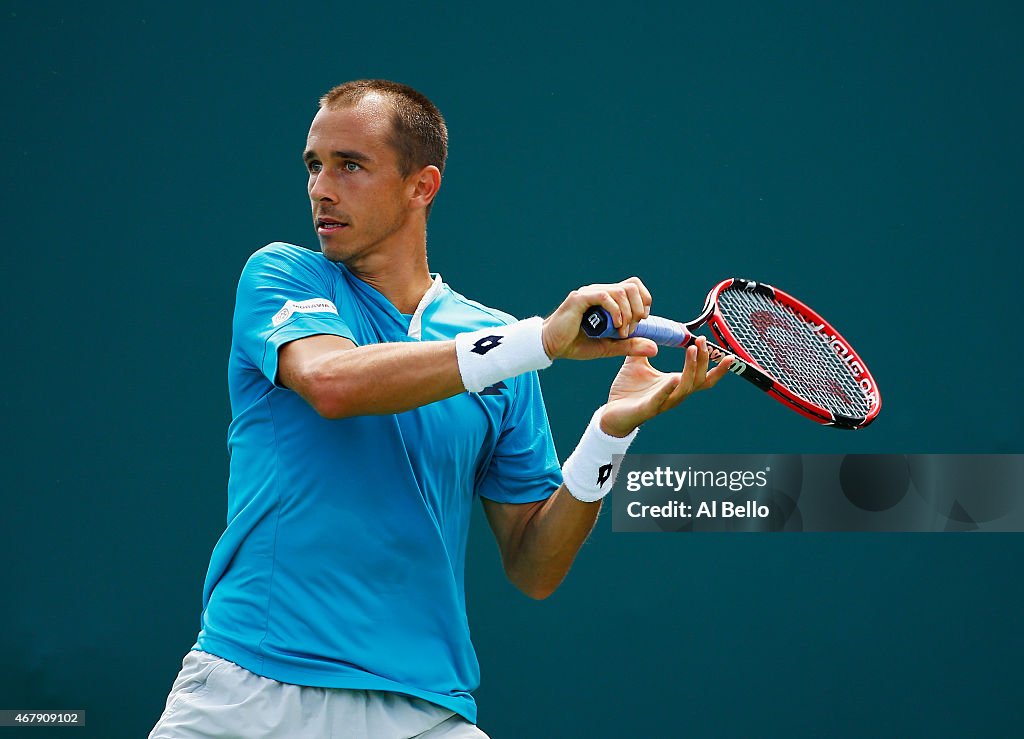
(640, 392)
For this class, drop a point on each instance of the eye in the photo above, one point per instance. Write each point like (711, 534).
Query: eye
(313, 167)
(352, 167)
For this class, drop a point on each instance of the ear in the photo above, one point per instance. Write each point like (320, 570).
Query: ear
(425, 185)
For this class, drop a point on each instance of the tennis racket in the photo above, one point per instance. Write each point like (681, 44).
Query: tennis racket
(778, 344)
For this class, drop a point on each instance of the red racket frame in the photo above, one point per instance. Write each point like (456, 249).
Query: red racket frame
(858, 368)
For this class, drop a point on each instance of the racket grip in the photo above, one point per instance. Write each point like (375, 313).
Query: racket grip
(597, 324)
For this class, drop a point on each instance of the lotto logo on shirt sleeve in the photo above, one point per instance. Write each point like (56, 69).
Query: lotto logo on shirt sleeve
(313, 305)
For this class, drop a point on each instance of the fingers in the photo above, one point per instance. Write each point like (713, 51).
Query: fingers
(621, 296)
(702, 377)
(612, 300)
(630, 307)
(695, 375)
(627, 302)
(640, 392)
(639, 307)
(661, 398)
(718, 372)
(687, 378)
(645, 294)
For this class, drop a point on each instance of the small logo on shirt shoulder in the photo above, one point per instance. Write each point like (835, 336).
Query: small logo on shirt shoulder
(313, 305)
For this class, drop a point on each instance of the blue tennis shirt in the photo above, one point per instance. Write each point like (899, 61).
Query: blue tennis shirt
(342, 564)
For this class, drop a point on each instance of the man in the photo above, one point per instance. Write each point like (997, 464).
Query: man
(370, 405)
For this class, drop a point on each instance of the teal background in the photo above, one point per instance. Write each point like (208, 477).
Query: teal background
(863, 156)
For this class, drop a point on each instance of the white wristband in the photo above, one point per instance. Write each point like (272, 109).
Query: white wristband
(500, 352)
(590, 470)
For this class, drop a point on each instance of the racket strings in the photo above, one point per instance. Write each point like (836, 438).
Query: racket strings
(785, 344)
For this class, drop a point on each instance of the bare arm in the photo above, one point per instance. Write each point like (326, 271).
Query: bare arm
(340, 379)
(539, 541)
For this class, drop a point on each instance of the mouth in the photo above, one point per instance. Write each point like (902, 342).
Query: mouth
(325, 225)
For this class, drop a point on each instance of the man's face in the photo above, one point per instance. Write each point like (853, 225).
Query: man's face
(359, 198)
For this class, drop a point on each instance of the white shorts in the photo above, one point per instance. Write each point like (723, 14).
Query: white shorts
(213, 697)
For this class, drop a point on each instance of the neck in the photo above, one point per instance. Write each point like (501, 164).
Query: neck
(401, 278)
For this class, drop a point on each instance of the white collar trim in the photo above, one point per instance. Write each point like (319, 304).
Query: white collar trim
(416, 324)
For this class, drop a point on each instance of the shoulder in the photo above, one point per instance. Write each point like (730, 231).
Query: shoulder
(288, 265)
(281, 254)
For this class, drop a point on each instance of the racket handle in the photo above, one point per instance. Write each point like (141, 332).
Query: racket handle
(597, 324)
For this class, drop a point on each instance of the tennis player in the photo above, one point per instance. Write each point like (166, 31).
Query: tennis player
(371, 404)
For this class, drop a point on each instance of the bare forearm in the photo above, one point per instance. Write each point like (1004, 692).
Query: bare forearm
(384, 378)
(549, 542)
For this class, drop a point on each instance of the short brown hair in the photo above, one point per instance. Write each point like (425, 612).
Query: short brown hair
(418, 130)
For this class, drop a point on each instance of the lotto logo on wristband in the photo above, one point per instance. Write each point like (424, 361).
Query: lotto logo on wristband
(484, 345)
(522, 350)
(591, 456)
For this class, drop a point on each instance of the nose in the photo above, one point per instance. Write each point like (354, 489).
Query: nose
(321, 189)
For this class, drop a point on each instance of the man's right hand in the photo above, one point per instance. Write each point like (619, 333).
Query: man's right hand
(628, 302)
